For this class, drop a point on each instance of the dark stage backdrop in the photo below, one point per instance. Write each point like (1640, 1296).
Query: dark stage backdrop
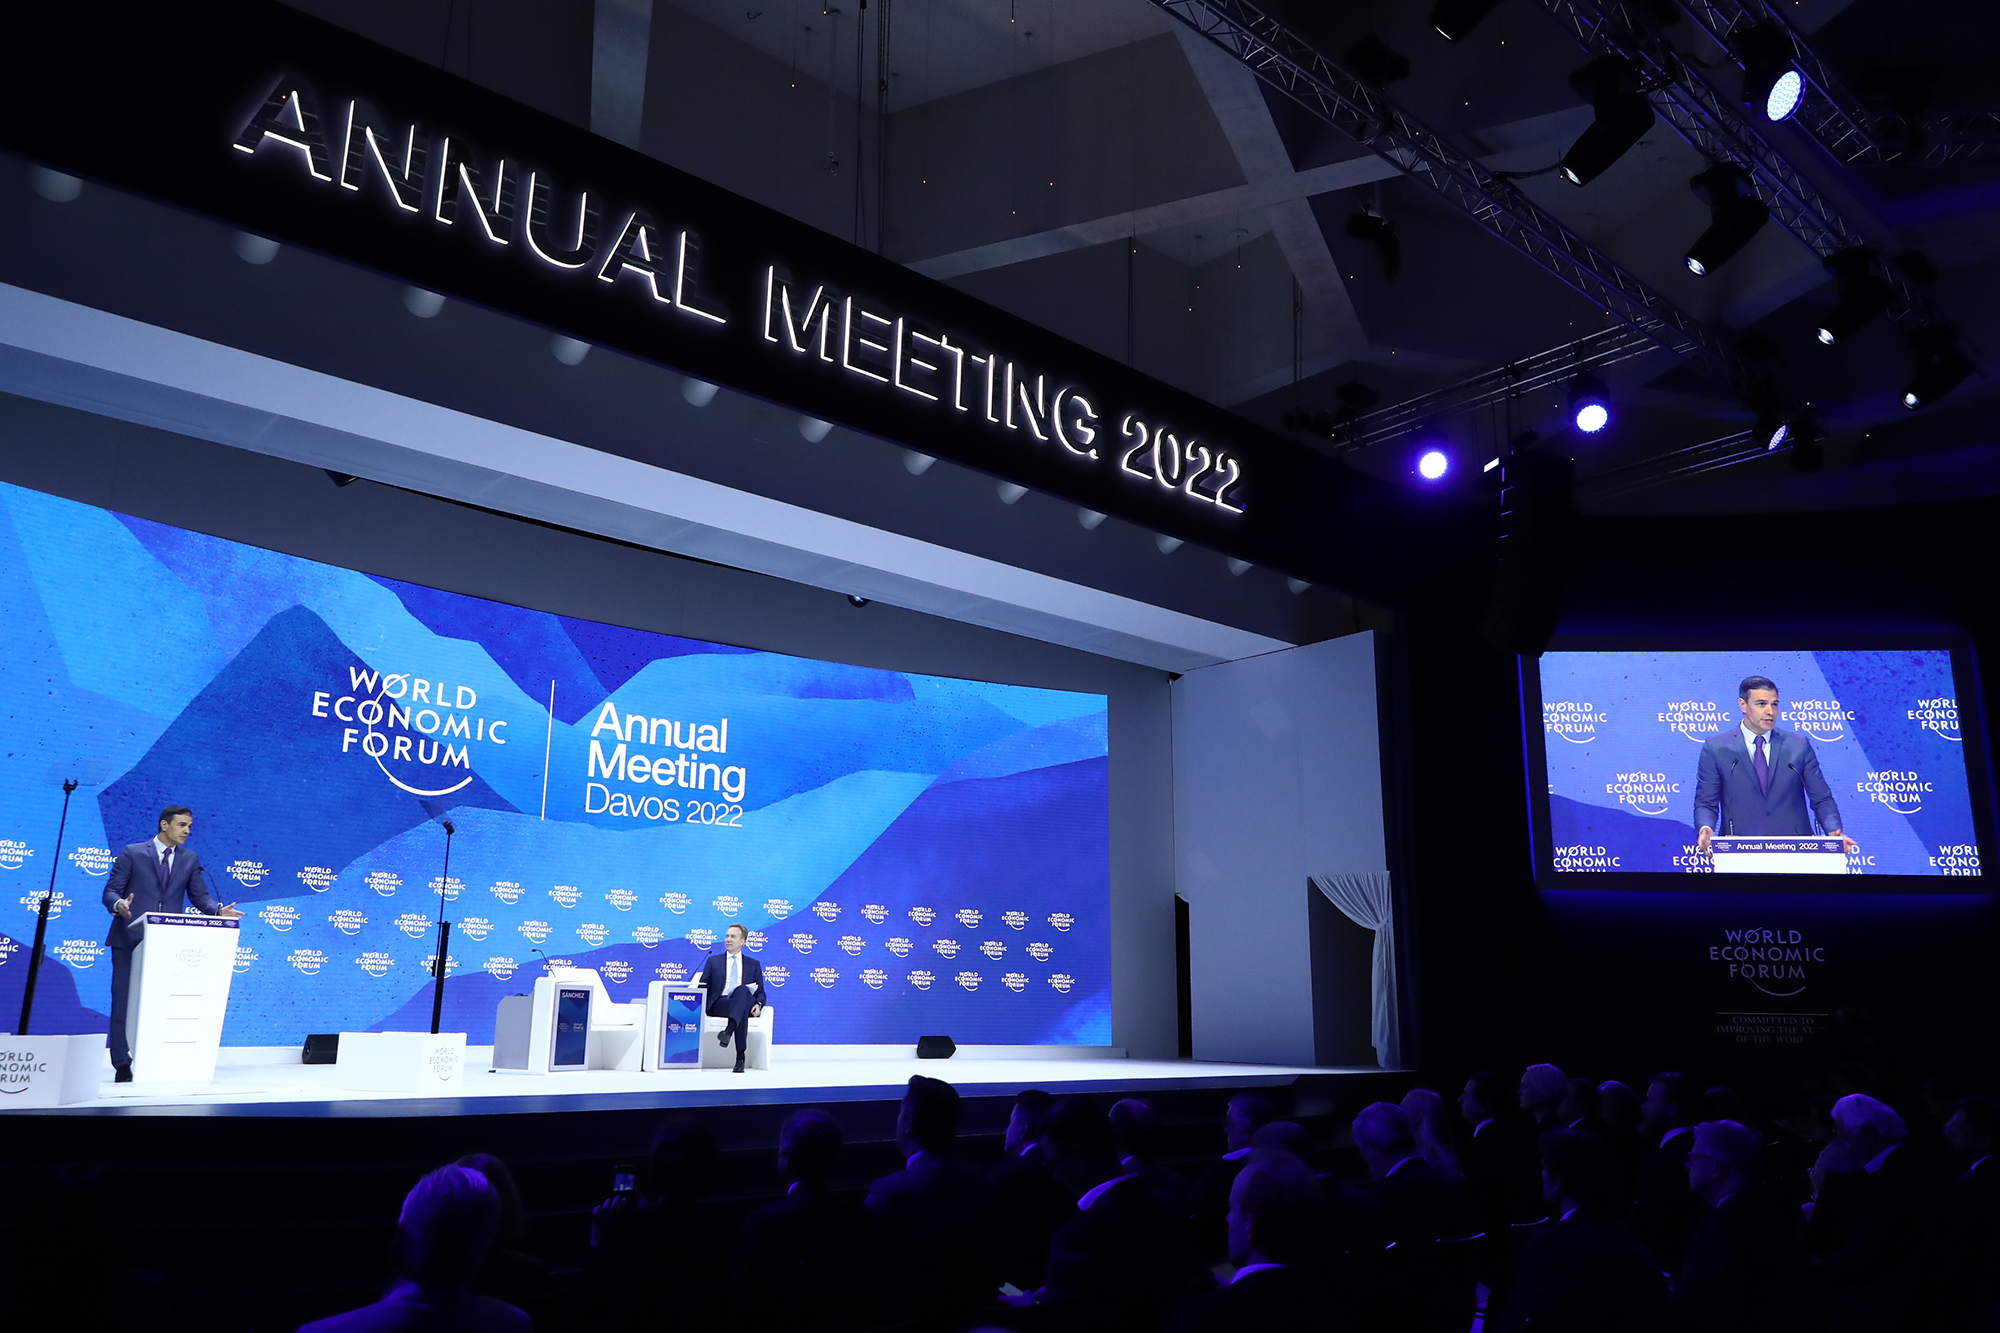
(911, 853)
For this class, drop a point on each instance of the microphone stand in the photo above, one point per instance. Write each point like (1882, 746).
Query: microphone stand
(42, 916)
(444, 933)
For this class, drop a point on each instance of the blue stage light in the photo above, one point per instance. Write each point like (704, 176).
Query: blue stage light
(1589, 404)
(1785, 95)
(1432, 464)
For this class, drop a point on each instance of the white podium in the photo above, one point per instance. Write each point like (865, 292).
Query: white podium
(1738, 855)
(50, 1071)
(180, 987)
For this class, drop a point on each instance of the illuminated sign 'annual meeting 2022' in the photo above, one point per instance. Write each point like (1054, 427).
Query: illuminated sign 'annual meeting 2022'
(439, 180)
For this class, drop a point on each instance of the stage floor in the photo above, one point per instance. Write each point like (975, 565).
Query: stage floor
(284, 1087)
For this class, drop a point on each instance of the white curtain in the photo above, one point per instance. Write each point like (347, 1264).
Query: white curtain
(1364, 899)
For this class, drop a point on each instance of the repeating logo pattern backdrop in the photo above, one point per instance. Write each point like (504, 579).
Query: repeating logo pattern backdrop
(1623, 731)
(910, 853)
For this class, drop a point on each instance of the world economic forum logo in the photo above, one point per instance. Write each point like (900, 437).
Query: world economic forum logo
(648, 937)
(449, 890)
(802, 942)
(1901, 790)
(945, 948)
(92, 860)
(1061, 982)
(246, 958)
(874, 913)
(500, 968)
(825, 976)
(777, 908)
(1040, 952)
(318, 878)
(1822, 719)
(348, 921)
(621, 900)
(566, 895)
(474, 928)
(921, 979)
(593, 933)
(967, 980)
(1014, 981)
(851, 944)
(993, 949)
(1572, 720)
(897, 945)
(1014, 920)
(57, 902)
(280, 917)
(536, 932)
(375, 963)
(1937, 715)
(79, 954)
(873, 977)
(383, 882)
(970, 917)
(247, 873)
(777, 974)
(14, 854)
(923, 916)
(420, 733)
(615, 970)
(677, 903)
(701, 937)
(1061, 920)
(413, 924)
(308, 961)
(755, 940)
(826, 911)
(507, 891)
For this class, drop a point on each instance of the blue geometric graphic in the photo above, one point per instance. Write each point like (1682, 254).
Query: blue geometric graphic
(910, 853)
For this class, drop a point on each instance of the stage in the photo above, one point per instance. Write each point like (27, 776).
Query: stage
(271, 1081)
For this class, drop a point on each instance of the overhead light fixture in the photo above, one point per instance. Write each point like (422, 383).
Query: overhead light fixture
(1862, 293)
(1432, 464)
(1773, 431)
(1772, 81)
(1623, 117)
(1589, 404)
(1733, 217)
(1940, 366)
(1455, 19)
(1379, 232)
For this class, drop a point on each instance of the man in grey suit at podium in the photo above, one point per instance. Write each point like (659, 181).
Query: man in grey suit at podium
(735, 983)
(1756, 779)
(159, 875)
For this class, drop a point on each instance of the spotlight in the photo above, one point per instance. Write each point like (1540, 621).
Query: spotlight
(855, 599)
(1455, 19)
(1772, 431)
(1589, 405)
(1862, 293)
(1432, 464)
(1733, 217)
(1623, 116)
(1772, 82)
(1940, 368)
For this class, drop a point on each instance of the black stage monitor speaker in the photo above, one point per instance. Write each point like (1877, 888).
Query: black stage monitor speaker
(936, 1048)
(322, 1048)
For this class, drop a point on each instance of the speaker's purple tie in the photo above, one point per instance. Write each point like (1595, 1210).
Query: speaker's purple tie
(166, 869)
(1762, 769)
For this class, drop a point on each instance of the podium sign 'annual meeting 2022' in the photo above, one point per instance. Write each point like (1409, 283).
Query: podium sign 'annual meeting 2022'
(909, 853)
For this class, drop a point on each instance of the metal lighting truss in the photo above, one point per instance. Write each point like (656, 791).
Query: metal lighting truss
(1716, 127)
(1543, 370)
(1709, 456)
(1366, 115)
(1829, 109)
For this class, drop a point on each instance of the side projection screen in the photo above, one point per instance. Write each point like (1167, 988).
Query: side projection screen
(908, 853)
(1839, 762)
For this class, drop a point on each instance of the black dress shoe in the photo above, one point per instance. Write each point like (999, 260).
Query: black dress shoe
(739, 1065)
(722, 1037)
(124, 1074)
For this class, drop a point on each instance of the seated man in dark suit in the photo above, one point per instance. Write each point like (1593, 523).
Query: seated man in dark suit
(735, 985)
(807, 1256)
(936, 1214)
(1502, 1175)
(1135, 1137)
(1871, 1223)
(1745, 1255)
(1247, 1113)
(1121, 1261)
(442, 1238)
(1028, 1205)
(1967, 1258)
(1582, 1272)
(1276, 1235)
(1666, 1207)
(1420, 1227)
